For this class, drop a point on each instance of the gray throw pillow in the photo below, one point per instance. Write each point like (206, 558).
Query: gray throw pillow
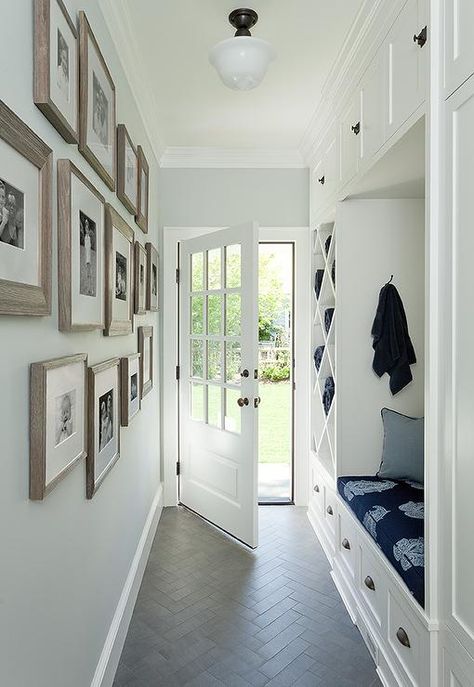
(403, 447)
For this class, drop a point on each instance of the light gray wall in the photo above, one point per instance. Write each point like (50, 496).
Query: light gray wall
(64, 561)
(223, 197)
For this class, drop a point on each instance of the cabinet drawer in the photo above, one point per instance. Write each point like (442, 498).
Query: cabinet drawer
(347, 544)
(373, 585)
(330, 510)
(406, 636)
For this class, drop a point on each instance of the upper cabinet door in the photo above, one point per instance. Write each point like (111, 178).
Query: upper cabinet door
(407, 53)
(459, 42)
(372, 94)
(351, 126)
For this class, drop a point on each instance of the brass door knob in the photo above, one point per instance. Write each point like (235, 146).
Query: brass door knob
(243, 402)
(244, 373)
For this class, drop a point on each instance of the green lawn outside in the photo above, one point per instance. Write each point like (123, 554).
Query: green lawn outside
(275, 422)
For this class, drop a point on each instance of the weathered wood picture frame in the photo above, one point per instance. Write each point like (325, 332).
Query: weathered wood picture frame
(127, 161)
(58, 421)
(119, 282)
(56, 67)
(153, 273)
(141, 217)
(130, 387)
(25, 265)
(104, 421)
(81, 251)
(140, 279)
(145, 348)
(97, 121)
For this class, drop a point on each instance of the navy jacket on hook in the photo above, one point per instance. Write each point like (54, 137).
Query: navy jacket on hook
(394, 352)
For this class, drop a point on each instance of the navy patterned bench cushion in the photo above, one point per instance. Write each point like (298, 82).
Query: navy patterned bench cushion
(392, 512)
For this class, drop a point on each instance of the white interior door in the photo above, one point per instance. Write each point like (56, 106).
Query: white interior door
(219, 379)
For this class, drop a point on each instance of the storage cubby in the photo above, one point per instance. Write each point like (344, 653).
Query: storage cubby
(324, 327)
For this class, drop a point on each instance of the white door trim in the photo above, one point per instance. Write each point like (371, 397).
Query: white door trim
(169, 388)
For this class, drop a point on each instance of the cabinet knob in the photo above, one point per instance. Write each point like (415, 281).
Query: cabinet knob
(244, 373)
(316, 488)
(356, 128)
(346, 544)
(329, 510)
(403, 637)
(369, 583)
(421, 37)
(243, 402)
(322, 180)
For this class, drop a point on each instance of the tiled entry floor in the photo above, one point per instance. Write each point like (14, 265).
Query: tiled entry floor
(211, 612)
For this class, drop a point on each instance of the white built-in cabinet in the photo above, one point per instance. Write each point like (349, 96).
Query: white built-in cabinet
(372, 98)
(458, 480)
(458, 24)
(406, 52)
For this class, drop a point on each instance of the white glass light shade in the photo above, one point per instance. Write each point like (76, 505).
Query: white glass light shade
(242, 61)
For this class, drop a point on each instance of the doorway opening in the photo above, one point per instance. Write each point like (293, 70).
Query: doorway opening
(276, 367)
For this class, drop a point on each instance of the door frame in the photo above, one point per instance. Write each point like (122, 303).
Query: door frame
(172, 236)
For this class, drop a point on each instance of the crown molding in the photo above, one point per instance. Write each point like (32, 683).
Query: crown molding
(365, 37)
(231, 158)
(117, 17)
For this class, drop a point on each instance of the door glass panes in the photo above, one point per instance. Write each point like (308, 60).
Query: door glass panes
(232, 266)
(214, 269)
(214, 405)
(197, 315)
(197, 358)
(232, 411)
(197, 271)
(233, 362)
(197, 402)
(232, 314)
(214, 357)
(214, 315)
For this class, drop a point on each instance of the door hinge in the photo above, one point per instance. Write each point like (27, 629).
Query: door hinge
(177, 372)
(177, 276)
(178, 468)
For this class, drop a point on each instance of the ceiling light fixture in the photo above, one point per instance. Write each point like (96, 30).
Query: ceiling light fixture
(242, 61)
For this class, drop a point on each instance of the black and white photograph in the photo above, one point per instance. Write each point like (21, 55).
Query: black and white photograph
(131, 172)
(120, 277)
(127, 170)
(152, 262)
(65, 416)
(106, 419)
(88, 256)
(133, 386)
(63, 66)
(12, 215)
(100, 117)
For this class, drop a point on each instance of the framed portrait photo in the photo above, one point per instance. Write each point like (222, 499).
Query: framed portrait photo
(58, 421)
(56, 67)
(26, 165)
(145, 348)
(130, 387)
(104, 422)
(140, 279)
(97, 119)
(152, 278)
(141, 217)
(81, 251)
(127, 170)
(119, 291)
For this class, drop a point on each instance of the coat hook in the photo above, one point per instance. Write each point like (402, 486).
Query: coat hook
(390, 280)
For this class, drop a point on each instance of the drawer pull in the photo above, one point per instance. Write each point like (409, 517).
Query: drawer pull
(316, 488)
(403, 637)
(369, 583)
(329, 510)
(422, 37)
(356, 129)
(346, 544)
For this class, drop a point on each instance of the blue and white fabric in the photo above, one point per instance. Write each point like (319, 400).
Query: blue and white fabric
(392, 512)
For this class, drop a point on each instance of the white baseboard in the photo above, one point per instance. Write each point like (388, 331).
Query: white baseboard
(110, 656)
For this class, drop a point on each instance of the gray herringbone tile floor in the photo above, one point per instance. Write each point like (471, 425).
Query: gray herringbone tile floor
(211, 612)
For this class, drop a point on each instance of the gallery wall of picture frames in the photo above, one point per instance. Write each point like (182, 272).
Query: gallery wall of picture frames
(106, 276)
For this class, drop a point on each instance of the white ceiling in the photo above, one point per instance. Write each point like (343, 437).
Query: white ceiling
(172, 39)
